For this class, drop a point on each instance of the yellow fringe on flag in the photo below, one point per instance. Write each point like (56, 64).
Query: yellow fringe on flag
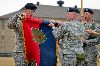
(24, 39)
(57, 52)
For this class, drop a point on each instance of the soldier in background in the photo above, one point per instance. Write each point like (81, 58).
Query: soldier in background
(89, 46)
(70, 35)
(80, 62)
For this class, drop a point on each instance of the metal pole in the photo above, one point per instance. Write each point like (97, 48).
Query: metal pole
(81, 8)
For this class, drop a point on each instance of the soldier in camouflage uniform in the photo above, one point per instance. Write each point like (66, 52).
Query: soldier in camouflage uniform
(19, 53)
(70, 35)
(15, 23)
(89, 47)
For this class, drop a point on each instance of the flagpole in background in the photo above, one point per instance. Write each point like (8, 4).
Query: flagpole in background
(81, 12)
(81, 8)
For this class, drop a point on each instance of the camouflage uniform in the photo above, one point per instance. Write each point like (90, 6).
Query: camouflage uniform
(19, 52)
(90, 49)
(69, 40)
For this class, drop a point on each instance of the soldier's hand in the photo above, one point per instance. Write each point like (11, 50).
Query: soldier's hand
(51, 24)
(21, 16)
(92, 32)
(59, 23)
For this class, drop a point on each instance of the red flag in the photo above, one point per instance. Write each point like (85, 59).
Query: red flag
(31, 46)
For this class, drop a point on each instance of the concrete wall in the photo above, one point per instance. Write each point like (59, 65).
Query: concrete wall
(98, 23)
(7, 37)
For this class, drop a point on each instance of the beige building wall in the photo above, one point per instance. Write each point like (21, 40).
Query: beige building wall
(7, 37)
(98, 23)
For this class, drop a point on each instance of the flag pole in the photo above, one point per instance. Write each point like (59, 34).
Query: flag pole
(82, 8)
(81, 11)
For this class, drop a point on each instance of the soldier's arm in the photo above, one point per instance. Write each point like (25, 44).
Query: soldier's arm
(60, 31)
(98, 31)
(55, 31)
(51, 23)
(47, 23)
(93, 32)
(94, 35)
(33, 20)
(95, 41)
(12, 22)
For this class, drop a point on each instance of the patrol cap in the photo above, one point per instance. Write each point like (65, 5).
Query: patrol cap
(70, 9)
(88, 10)
(30, 6)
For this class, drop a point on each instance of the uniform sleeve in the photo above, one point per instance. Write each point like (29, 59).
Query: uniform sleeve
(95, 41)
(45, 22)
(82, 30)
(96, 38)
(97, 29)
(59, 32)
(14, 21)
(55, 31)
(11, 23)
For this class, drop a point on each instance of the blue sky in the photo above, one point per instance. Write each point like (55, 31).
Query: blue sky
(8, 6)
